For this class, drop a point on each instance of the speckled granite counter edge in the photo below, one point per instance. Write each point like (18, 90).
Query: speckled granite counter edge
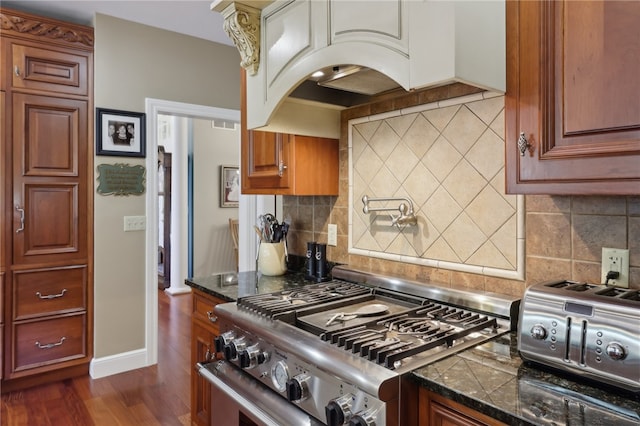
(230, 286)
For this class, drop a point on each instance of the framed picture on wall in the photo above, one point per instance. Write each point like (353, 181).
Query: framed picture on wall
(120, 133)
(229, 186)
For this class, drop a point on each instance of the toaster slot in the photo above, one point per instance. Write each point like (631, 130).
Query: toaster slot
(631, 295)
(583, 343)
(567, 340)
(611, 292)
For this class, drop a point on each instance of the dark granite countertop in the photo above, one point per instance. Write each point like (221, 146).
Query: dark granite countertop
(233, 285)
(490, 378)
(493, 380)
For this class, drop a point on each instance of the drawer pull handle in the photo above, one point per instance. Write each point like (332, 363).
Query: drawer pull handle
(212, 317)
(51, 345)
(16, 70)
(51, 296)
(21, 211)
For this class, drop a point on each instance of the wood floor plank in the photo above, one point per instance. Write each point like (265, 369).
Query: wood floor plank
(100, 412)
(155, 396)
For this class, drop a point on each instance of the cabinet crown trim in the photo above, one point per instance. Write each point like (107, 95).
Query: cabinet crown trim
(12, 22)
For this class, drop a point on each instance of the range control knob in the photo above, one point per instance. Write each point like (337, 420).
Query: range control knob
(616, 351)
(232, 349)
(363, 418)
(338, 410)
(359, 420)
(222, 340)
(251, 357)
(298, 388)
(538, 332)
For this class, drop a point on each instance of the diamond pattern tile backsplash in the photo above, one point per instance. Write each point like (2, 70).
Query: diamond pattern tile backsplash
(448, 158)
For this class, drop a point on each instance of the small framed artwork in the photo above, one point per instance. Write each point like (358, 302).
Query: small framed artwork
(229, 186)
(120, 133)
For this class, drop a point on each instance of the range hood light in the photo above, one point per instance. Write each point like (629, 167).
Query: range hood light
(357, 79)
(339, 73)
(317, 74)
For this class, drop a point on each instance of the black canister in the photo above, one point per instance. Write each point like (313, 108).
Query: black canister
(311, 262)
(322, 274)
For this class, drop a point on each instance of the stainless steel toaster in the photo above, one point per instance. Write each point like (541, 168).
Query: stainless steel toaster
(589, 330)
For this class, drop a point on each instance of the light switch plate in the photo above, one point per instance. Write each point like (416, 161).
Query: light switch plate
(135, 223)
(616, 260)
(332, 238)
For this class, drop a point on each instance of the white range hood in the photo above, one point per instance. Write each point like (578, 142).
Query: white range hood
(415, 43)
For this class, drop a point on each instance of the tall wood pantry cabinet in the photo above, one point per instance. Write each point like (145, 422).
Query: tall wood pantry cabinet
(46, 211)
(573, 97)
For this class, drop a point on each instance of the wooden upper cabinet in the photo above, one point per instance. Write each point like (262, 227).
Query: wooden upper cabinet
(276, 163)
(267, 162)
(573, 91)
(283, 164)
(50, 69)
(49, 179)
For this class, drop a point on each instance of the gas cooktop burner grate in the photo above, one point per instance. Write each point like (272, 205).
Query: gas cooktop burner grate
(393, 339)
(276, 303)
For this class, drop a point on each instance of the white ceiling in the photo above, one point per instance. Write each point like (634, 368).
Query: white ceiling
(194, 18)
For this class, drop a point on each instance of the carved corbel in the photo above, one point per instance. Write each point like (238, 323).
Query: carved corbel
(242, 25)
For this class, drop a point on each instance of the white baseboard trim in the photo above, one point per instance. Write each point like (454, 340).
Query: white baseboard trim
(177, 290)
(119, 363)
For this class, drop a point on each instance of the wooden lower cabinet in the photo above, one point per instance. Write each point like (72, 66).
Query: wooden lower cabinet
(436, 410)
(203, 331)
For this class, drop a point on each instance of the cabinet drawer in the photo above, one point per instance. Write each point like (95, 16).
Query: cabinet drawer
(203, 310)
(45, 69)
(51, 291)
(40, 343)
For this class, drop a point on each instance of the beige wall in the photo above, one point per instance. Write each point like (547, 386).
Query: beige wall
(134, 62)
(212, 244)
(564, 234)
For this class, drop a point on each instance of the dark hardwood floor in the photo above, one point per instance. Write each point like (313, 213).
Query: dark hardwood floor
(157, 395)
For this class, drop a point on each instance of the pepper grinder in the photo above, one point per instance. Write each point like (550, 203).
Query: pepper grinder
(311, 262)
(321, 263)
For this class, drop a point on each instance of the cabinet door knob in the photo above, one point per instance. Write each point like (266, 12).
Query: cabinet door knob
(523, 144)
(21, 211)
(212, 317)
(281, 168)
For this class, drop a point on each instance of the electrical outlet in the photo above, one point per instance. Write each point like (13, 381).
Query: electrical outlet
(616, 260)
(135, 223)
(332, 238)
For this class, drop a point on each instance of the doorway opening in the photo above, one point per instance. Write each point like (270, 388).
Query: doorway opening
(180, 208)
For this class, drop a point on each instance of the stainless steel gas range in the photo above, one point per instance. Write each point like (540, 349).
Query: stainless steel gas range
(339, 352)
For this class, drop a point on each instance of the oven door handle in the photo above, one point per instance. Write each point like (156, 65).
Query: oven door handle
(270, 410)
